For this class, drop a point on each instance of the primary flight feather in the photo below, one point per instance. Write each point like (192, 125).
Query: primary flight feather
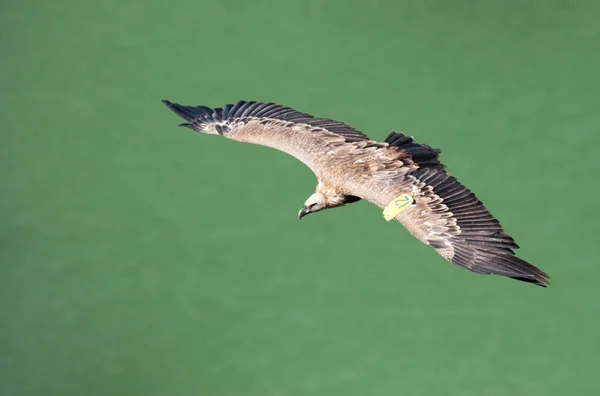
(404, 177)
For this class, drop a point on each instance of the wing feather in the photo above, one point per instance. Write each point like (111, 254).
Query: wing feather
(478, 242)
(299, 134)
(202, 117)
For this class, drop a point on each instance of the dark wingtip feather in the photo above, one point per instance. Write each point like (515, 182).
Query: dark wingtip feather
(491, 260)
(188, 113)
(515, 268)
(540, 283)
(535, 275)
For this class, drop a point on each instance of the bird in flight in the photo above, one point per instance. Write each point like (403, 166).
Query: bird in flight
(404, 178)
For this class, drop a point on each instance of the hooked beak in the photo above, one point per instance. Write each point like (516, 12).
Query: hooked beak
(303, 212)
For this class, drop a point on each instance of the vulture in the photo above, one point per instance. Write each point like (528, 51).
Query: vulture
(404, 178)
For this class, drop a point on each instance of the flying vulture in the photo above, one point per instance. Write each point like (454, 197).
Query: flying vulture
(404, 178)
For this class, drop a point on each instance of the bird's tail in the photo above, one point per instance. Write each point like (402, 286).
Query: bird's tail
(422, 154)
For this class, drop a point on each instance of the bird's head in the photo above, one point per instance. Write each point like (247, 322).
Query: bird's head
(314, 203)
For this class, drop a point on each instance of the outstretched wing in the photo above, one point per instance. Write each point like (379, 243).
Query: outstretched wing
(298, 134)
(450, 218)
(473, 238)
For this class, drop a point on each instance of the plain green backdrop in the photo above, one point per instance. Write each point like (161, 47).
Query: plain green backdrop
(138, 258)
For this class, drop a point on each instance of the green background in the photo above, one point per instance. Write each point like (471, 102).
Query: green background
(138, 258)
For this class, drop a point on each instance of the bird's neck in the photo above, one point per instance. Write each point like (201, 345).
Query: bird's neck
(333, 196)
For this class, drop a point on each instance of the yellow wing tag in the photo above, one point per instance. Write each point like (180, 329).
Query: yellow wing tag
(396, 206)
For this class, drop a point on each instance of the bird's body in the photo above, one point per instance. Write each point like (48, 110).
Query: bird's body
(349, 166)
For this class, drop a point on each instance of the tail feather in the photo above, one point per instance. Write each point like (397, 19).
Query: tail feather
(424, 155)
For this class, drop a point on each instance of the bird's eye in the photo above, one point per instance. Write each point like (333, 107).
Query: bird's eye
(312, 205)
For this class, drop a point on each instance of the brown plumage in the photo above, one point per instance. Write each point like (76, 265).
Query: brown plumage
(349, 167)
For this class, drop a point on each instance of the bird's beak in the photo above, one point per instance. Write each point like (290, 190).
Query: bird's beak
(303, 212)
